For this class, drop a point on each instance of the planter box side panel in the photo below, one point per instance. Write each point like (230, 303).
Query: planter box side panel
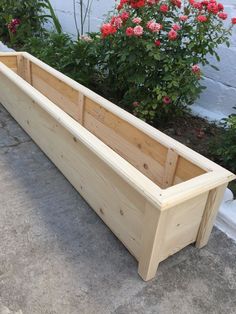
(183, 224)
(145, 153)
(10, 62)
(114, 200)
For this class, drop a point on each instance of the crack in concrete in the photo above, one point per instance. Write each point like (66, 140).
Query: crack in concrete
(16, 144)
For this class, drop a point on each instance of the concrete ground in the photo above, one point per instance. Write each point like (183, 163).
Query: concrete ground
(56, 255)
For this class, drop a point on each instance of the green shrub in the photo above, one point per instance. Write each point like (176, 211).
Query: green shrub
(77, 59)
(22, 19)
(151, 51)
(30, 15)
(223, 148)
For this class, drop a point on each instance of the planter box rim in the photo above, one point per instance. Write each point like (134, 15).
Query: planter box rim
(162, 198)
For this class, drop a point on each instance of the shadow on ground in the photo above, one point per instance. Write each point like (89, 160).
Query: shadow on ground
(56, 255)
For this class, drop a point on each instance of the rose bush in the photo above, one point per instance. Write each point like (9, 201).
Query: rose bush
(152, 52)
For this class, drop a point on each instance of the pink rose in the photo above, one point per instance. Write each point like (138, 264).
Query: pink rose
(166, 100)
(176, 27)
(138, 30)
(135, 104)
(137, 20)
(183, 18)
(196, 69)
(172, 35)
(153, 26)
(202, 18)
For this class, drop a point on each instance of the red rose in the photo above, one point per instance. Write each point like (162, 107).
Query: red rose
(158, 43)
(223, 15)
(107, 29)
(135, 4)
(198, 5)
(233, 20)
(124, 15)
(213, 8)
(164, 8)
(220, 7)
(129, 31)
(172, 35)
(177, 3)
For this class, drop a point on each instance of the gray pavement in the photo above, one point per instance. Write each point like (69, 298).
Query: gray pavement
(56, 255)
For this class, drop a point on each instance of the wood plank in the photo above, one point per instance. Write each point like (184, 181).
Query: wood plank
(58, 97)
(186, 170)
(80, 117)
(144, 163)
(183, 224)
(213, 203)
(154, 230)
(20, 66)
(170, 168)
(9, 61)
(58, 85)
(132, 134)
(27, 71)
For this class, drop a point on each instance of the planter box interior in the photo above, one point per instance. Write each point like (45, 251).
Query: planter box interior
(154, 193)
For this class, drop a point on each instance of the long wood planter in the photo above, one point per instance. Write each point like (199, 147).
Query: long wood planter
(154, 193)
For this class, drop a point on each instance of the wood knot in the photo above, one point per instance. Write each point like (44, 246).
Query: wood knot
(101, 211)
(122, 212)
(75, 139)
(145, 166)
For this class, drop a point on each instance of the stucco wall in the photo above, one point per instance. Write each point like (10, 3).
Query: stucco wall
(220, 96)
(65, 12)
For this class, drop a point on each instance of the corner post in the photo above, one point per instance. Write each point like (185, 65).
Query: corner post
(154, 226)
(213, 203)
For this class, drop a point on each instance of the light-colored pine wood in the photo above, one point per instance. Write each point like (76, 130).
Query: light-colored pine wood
(170, 168)
(80, 118)
(27, 71)
(183, 224)
(9, 60)
(20, 66)
(153, 235)
(213, 203)
(150, 190)
(131, 152)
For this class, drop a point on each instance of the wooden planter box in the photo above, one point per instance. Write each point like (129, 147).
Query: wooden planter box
(154, 193)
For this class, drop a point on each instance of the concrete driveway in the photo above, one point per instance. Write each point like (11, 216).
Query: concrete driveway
(56, 255)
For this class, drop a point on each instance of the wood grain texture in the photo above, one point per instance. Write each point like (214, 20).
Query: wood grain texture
(153, 234)
(125, 169)
(213, 203)
(114, 200)
(170, 168)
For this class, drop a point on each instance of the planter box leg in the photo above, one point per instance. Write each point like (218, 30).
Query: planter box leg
(213, 203)
(152, 240)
